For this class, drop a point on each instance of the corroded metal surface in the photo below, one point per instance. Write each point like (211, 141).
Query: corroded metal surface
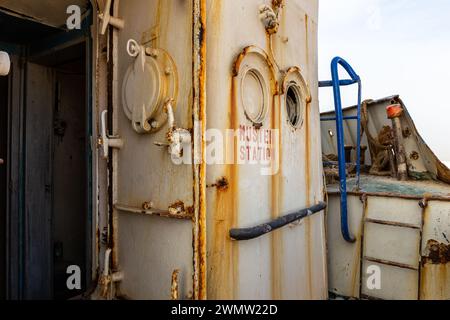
(207, 200)
(405, 226)
(289, 263)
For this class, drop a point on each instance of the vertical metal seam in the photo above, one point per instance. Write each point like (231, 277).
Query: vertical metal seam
(199, 117)
(424, 210)
(364, 199)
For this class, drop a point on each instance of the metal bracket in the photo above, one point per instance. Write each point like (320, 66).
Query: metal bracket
(108, 141)
(177, 137)
(108, 278)
(107, 19)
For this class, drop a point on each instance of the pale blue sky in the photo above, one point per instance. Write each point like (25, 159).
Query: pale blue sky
(397, 47)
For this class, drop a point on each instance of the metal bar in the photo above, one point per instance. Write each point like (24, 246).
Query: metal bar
(199, 71)
(340, 138)
(329, 83)
(265, 228)
(345, 118)
(393, 195)
(152, 212)
(358, 143)
(335, 163)
(393, 224)
(391, 263)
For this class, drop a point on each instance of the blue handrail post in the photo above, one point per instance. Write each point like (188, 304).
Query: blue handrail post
(336, 83)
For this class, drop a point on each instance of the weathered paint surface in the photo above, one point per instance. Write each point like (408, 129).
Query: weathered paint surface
(147, 244)
(403, 228)
(289, 263)
(435, 267)
(149, 248)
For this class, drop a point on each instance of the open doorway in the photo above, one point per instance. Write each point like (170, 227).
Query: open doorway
(45, 135)
(3, 186)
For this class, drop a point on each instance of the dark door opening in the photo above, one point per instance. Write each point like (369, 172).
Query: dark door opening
(3, 155)
(52, 135)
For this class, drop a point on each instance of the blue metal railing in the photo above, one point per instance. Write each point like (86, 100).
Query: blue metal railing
(336, 83)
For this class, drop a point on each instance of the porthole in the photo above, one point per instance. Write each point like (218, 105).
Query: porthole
(254, 96)
(294, 105)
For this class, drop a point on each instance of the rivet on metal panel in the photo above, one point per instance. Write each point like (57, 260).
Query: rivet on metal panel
(406, 133)
(414, 156)
(147, 205)
(177, 208)
(363, 199)
(423, 203)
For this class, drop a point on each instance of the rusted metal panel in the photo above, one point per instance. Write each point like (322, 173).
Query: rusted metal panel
(344, 259)
(407, 221)
(383, 242)
(395, 210)
(149, 248)
(397, 259)
(422, 163)
(147, 188)
(100, 167)
(435, 269)
(288, 263)
(199, 116)
(396, 283)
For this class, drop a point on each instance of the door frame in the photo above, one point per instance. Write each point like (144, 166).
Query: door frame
(16, 171)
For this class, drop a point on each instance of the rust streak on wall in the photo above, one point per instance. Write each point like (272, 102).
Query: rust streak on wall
(224, 258)
(199, 116)
(308, 195)
(275, 194)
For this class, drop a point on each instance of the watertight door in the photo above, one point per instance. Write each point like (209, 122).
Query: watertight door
(151, 152)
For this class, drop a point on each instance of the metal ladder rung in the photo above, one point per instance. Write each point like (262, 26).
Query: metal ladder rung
(344, 118)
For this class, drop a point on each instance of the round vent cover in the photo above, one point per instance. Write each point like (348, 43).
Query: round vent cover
(148, 83)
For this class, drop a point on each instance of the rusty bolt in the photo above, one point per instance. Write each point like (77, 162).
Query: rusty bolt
(147, 205)
(154, 124)
(151, 52)
(406, 133)
(423, 203)
(168, 71)
(414, 156)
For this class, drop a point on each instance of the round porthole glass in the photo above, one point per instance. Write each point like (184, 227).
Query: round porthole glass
(294, 105)
(254, 96)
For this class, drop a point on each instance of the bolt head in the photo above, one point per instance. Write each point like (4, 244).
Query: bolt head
(151, 52)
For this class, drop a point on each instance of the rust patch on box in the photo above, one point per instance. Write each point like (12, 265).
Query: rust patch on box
(223, 262)
(438, 253)
(222, 184)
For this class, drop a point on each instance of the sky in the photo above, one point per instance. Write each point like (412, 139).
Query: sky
(397, 47)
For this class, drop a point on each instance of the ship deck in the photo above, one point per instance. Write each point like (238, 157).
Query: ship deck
(389, 186)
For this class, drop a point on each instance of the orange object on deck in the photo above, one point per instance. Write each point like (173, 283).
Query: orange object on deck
(394, 111)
